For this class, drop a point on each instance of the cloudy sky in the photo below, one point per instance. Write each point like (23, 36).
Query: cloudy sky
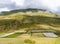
(51, 5)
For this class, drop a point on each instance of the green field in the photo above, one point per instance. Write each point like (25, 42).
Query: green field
(19, 35)
(13, 35)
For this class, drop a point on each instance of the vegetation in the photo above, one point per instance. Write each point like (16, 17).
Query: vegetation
(32, 40)
(26, 21)
(28, 41)
(38, 35)
(13, 35)
(23, 20)
(21, 10)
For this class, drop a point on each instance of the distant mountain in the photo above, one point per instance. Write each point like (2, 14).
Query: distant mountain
(20, 10)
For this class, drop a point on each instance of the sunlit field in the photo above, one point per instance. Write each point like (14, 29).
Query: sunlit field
(29, 40)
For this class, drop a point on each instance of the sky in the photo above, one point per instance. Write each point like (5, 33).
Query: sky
(50, 5)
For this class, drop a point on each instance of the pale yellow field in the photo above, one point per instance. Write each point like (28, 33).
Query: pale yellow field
(37, 40)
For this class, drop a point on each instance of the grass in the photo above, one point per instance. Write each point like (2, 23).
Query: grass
(58, 41)
(30, 40)
(15, 24)
(16, 35)
(1, 33)
(35, 20)
(13, 35)
(37, 35)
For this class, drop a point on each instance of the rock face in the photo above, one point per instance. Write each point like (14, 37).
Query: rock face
(51, 35)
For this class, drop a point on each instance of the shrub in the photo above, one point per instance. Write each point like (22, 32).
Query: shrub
(28, 41)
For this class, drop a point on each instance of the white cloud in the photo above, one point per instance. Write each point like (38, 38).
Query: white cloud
(5, 1)
(19, 2)
(51, 4)
(4, 9)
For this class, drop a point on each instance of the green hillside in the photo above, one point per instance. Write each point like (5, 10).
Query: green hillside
(29, 20)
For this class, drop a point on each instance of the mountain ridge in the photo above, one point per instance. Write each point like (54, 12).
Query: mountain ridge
(23, 10)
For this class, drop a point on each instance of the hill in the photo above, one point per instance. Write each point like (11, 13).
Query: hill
(29, 20)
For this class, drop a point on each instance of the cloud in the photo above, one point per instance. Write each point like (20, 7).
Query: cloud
(5, 4)
(11, 4)
(51, 5)
(19, 2)
(4, 9)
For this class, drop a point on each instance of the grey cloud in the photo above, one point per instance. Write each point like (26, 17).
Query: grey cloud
(27, 4)
(8, 4)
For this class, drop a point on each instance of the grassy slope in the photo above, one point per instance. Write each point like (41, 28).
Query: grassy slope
(28, 20)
